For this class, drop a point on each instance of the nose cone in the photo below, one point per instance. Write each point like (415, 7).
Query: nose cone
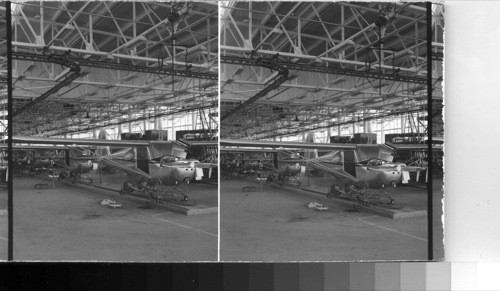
(175, 175)
(389, 177)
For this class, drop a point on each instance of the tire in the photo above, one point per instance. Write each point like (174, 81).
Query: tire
(335, 190)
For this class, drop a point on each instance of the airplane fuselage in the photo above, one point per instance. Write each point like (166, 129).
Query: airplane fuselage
(175, 173)
(378, 177)
(81, 167)
(288, 170)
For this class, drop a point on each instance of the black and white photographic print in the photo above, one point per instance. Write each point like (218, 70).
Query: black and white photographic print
(115, 129)
(331, 131)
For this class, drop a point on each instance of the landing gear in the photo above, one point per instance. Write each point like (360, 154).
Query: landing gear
(364, 196)
(63, 175)
(128, 187)
(156, 191)
(335, 190)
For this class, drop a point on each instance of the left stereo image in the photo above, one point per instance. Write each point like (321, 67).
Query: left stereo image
(115, 131)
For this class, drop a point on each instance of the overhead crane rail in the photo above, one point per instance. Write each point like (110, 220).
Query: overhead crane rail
(327, 70)
(62, 60)
(269, 63)
(51, 58)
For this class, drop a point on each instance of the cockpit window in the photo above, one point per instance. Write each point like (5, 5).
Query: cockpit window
(168, 159)
(376, 162)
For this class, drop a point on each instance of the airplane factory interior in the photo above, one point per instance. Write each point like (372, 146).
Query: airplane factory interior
(115, 130)
(222, 130)
(325, 125)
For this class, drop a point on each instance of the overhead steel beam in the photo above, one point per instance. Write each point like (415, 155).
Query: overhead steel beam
(71, 20)
(333, 124)
(17, 44)
(182, 110)
(75, 72)
(326, 70)
(114, 66)
(278, 24)
(283, 144)
(313, 58)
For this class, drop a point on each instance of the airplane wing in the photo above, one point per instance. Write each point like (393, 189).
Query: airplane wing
(333, 168)
(245, 150)
(283, 144)
(75, 141)
(31, 147)
(413, 169)
(199, 142)
(126, 167)
(156, 148)
(413, 146)
(205, 165)
(314, 163)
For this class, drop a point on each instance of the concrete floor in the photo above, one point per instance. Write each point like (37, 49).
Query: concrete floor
(275, 225)
(68, 223)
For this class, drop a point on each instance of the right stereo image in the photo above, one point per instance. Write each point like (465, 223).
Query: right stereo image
(331, 131)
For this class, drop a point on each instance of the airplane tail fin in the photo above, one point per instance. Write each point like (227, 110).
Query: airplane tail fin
(102, 150)
(349, 162)
(310, 153)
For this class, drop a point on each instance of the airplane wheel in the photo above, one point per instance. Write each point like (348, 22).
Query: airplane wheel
(335, 190)
(140, 185)
(186, 180)
(128, 186)
(393, 184)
